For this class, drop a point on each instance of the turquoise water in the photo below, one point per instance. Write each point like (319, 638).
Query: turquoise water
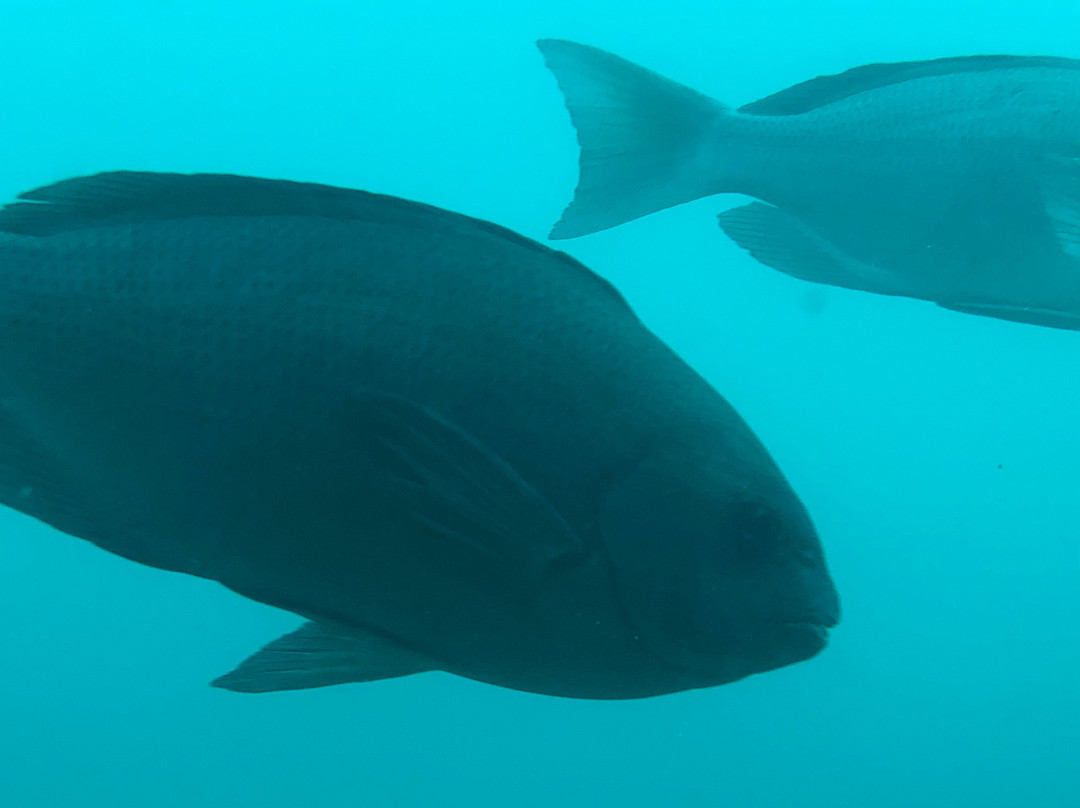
(938, 453)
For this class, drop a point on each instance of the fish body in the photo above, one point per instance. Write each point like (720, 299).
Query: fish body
(446, 446)
(954, 180)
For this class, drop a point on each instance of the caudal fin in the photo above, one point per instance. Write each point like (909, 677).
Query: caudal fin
(643, 138)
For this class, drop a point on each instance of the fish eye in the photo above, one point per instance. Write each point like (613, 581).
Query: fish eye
(758, 527)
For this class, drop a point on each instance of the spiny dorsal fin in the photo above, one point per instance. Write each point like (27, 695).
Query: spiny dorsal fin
(824, 90)
(128, 197)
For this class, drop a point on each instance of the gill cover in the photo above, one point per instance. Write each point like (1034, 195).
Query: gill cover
(691, 556)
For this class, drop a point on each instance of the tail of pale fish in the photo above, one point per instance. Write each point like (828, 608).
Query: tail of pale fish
(645, 140)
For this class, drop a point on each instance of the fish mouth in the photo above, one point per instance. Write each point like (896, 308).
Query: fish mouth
(806, 637)
(816, 628)
(816, 618)
(822, 621)
(755, 648)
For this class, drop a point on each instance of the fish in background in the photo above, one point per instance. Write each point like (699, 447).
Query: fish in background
(446, 446)
(955, 180)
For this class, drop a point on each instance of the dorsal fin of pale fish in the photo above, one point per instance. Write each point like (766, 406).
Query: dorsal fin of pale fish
(823, 90)
(320, 655)
(642, 138)
(783, 242)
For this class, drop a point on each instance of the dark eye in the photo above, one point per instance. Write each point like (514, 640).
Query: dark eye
(759, 527)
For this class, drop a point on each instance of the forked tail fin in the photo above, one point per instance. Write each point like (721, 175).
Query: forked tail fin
(644, 138)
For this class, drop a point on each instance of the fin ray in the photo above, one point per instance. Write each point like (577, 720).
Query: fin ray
(640, 137)
(1029, 315)
(129, 197)
(457, 489)
(1061, 194)
(824, 90)
(318, 655)
(781, 241)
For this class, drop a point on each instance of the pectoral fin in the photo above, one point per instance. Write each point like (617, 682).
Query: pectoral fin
(317, 655)
(1061, 193)
(459, 493)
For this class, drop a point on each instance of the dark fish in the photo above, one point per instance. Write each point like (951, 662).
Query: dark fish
(445, 445)
(955, 181)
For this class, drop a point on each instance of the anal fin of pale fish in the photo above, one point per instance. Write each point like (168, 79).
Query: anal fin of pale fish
(318, 655)
(1061, 194)
(785, 243)
(1031, 315)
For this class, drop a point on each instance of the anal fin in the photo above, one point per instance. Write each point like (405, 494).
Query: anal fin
(1030, 315)
(782, 241)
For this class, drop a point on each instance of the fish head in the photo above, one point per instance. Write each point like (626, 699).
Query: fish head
(718, 566)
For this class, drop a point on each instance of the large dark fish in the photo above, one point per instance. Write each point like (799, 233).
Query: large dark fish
(955, 181)
(447, 446)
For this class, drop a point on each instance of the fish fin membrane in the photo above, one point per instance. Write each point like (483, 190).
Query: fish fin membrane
(1061, 193)
(468, 504)
(130, 197)
(316, 655)
(641, 138)
(823, 90)
(1029, 315)
(783, 242)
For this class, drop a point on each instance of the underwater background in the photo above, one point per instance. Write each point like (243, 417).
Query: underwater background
(938, 453)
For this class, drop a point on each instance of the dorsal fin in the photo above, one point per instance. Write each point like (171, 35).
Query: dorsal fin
(824, 90)
(135, 196)
(129, 197)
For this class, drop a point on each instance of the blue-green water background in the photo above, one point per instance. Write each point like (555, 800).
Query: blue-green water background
(939, 453)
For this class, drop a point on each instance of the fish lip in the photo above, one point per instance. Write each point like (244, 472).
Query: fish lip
(823, 619)
(766, 646)
(816, 627)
